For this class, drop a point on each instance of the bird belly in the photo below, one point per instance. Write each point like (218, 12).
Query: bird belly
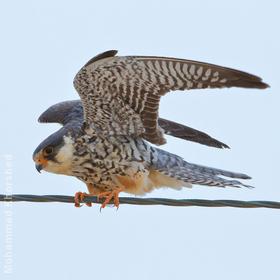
(142, 183)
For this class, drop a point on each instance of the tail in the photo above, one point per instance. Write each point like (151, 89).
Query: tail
(175, 167)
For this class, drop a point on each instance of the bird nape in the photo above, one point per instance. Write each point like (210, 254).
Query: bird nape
(104, 139)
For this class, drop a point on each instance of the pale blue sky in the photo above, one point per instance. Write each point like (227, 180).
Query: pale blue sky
(44, 44)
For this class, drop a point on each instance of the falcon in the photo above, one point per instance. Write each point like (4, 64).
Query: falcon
(105, 137)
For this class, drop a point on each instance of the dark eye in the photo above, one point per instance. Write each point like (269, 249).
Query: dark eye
(48, 151)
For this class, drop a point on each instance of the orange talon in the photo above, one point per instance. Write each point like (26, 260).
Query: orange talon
(79, 197)
(109, 195)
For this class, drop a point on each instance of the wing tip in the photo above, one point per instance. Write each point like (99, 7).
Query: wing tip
(263, 85)
(247, 80)
(57, 112)
(41, 119)
(216, 144)
(45, 117)
(257, 84)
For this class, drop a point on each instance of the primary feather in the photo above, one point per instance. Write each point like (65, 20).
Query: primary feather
(65, 111)
(121, 94)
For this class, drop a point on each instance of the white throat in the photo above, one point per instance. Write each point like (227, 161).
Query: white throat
(64, 159)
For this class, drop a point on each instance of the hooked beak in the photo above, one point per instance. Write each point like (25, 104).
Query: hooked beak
(39, 167)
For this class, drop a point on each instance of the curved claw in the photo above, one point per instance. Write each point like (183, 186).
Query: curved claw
(109, 195)
(79, 198)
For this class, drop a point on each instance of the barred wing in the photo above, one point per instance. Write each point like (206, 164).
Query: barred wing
(72, 111)
(120, 95)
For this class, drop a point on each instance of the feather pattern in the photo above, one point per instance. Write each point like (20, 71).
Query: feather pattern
(121, 95)
(175, 167)
(66, 111)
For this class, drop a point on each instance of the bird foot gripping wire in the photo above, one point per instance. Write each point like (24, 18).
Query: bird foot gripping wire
(109, 195)
(146, 201)
(79, 198)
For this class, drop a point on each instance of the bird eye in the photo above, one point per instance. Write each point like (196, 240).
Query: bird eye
(48, 151)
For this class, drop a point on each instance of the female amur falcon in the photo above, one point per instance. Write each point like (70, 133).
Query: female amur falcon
(104, 140)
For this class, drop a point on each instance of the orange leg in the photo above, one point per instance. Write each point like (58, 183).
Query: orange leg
(109, 195)
(79, 197)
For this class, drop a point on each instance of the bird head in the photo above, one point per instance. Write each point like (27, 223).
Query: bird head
(55, 153)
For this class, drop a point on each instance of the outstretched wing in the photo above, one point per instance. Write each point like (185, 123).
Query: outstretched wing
(187, 133)
(66, 111)
(121, 95)
(63, 112)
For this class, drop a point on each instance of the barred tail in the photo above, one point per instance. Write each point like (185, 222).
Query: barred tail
(175, 167)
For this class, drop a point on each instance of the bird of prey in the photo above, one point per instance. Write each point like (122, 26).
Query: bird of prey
(104, 139)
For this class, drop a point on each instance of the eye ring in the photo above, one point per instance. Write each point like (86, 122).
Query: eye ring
(48, 151)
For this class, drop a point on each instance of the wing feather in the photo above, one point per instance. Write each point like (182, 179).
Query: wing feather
(121, 95)
(187, 133)
(62, 112)
(66, 111)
